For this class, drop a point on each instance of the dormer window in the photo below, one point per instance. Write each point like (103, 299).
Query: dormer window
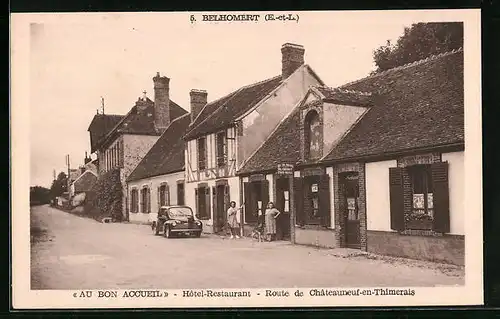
(312, 138)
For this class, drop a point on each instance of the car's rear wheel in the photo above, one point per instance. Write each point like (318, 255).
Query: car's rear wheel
(166, 231)
(197, 234)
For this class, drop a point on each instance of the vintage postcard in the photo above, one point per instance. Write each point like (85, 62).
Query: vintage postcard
(246, 159)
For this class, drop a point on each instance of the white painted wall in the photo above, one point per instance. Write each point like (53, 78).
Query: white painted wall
(260, 122)
(456, 181)
(153, 183)
(329, 172)
(191, 160)
(234, 194)
(378, 212)
(338, 120)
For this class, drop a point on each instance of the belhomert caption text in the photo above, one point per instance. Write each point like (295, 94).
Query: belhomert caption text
(284, 17)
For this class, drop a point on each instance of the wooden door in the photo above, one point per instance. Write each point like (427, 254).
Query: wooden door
(283, 205)
(351, 211)
(220, 217)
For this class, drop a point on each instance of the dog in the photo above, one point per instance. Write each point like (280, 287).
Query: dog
(257, 232)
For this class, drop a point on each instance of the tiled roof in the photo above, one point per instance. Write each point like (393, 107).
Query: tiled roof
(167, 154)
(282, 146)
(101, 125)
(221, 113)
(419, 105)
(143, 122)
(347, 97)
(85, 182)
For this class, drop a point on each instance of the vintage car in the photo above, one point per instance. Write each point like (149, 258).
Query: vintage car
(176, 220)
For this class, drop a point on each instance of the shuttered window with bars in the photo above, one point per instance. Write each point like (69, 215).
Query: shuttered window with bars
(134, 201)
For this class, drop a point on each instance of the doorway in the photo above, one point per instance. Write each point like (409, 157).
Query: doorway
(221, 204)
(256, 199)
(283, 205)
(349, 196)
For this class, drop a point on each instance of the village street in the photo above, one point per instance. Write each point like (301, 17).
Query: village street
(71, 252)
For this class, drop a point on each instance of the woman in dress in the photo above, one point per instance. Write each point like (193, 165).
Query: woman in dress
(271, 214)
(233, 219)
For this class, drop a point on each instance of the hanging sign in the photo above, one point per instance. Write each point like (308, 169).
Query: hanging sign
(285, 169)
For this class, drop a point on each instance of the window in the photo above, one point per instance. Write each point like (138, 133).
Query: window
(419, 198)
(312, 138)
(180, 193)
(134, 203)
(145, 200)
(163, 195)
(422, 212)
(202, 155)
(221, 149)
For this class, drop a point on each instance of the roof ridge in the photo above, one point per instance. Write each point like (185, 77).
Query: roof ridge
(432, 57)
(341, 90)
(229, 99)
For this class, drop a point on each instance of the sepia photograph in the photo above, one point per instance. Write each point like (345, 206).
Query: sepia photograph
(201, 159)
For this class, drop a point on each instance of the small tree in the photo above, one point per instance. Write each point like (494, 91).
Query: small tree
(59, 186)
(39, 195)
(418, 42)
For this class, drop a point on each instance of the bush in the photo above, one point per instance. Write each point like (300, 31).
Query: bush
(105, 198)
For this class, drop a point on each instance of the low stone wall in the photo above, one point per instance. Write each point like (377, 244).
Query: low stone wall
(444, 249)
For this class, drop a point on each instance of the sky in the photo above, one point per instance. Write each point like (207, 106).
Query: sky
(77, 58)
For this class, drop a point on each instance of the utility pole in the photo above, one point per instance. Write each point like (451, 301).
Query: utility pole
(69, 171)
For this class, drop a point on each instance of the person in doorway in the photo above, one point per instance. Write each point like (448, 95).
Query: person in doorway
(271, 214)
(233, 219)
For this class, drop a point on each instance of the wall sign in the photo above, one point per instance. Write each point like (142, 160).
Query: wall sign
(285, 169)
(314, 188)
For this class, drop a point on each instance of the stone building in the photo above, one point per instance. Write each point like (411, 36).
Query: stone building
(121, 142)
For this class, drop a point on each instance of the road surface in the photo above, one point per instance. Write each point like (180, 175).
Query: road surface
(72, 252)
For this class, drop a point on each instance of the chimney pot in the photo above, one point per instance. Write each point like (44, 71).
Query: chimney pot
(198, 101)
(292, 57)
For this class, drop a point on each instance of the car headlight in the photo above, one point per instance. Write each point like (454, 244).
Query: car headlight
(174, 223)
(198, 223)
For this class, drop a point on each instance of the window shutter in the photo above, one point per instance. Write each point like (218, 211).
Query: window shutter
(149, 200)
(158, 196)
(226, 197)
(197, 208)
(299, 200)
(265, 195)
(324, 199)
(246, 201)
(214, 204)
(207, 194)
(396, 198)
(167, 195)
(441, 202)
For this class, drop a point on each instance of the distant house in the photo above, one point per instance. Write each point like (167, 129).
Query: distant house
(224, 134)
(158, 179)
(83, 183)
(121, 142)
(378, 163)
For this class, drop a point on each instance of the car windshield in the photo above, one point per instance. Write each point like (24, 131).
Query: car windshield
(180, 212)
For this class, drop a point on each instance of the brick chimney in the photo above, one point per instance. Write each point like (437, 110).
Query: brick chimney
(198, 101)
(292, 57)
(162, 101)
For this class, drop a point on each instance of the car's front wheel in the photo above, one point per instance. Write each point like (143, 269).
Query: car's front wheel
(197, 234)
(166, 231)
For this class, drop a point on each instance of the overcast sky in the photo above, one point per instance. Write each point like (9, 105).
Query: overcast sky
(76, 59)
